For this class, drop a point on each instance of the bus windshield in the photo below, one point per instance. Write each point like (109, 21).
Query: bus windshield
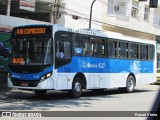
(32, 51)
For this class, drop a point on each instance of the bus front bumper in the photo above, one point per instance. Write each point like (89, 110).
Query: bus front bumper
(47, 84)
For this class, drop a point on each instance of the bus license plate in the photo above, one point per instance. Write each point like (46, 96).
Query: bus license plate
(24, 84)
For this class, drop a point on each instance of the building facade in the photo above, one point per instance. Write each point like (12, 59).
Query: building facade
(129, 17)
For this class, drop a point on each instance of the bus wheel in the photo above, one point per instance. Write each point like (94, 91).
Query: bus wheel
(76, 87)
(40, 93)
(130, 84)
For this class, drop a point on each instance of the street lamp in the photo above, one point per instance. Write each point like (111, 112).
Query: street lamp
(90, 19)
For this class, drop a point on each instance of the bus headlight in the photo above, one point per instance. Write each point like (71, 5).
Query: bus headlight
(48, 75)
(45, 76)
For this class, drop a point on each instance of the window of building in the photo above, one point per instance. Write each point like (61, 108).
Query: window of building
(111, 48)
(111, 6)
(134, 11)
(117, 7)
(146, 13)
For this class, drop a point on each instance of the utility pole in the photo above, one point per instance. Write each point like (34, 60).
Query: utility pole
(55, 14)
(8, 4)
(90, 19)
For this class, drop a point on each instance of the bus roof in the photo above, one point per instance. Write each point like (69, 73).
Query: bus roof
(95, 32)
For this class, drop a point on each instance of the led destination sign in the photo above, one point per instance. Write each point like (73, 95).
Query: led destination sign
(31, 31)
(27, 31)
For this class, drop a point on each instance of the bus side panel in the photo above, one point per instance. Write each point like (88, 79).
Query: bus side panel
(107, 73)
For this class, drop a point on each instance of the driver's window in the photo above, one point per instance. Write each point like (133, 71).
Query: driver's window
(63, 47)
(60, 49)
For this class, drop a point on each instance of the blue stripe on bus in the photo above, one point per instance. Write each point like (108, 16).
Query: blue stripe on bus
(107, 65)
(37, 76)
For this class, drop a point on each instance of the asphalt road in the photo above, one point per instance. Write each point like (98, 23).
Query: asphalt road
(111, 100)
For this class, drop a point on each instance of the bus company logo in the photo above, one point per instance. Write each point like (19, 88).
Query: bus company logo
(89, 65)
(16, 76)
(99, 65)
(18, 114)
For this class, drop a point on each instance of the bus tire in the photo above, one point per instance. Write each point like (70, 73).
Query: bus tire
(76, 87)
(130, 84)
(40, 93)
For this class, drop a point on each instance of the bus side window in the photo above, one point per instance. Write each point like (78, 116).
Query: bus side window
(134, 51)
(111, 48)
(63, 47)
(67, 50)
(144, 52)
(64, 50)
(77, 45)
(123, 50)
(87, 47)
(77, 48)
(60, 50)
(98, 47)
(137, 54)
(151, 52)
(82, 45)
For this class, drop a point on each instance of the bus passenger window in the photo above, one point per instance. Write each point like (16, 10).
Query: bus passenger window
(98, 48)
(151, 52)
(87, 47)
(77, 48)
(111, 48)
(144, 52)
(134, 51)
(123, 50)
(82, 46)
(137, 52)
(67, 50)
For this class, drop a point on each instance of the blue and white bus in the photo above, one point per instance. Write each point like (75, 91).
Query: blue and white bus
(53, 57)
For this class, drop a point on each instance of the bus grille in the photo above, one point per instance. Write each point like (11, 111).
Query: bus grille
(25, 83)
